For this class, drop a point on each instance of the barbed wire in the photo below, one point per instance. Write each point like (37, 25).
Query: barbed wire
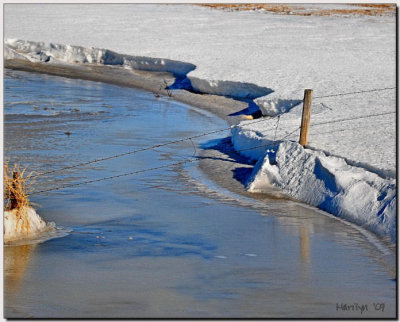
(195, 136)
(194, 157)
(338, 121)
(287, 135)
(111, 177)
(148, 148)
(189, 160)
(356, 92)
(351, 118)
(355, 127)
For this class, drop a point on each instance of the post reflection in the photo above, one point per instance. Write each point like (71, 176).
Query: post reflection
(304, 245)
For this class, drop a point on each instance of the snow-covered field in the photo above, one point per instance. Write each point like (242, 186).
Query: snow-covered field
(270, 59)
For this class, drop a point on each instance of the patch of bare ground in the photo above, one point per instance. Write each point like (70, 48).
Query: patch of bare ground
(367, 9)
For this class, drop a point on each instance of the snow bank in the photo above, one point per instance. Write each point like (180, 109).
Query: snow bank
(39, 52)
(365, 136)
(278, 103)
(326, 182)
(23, 224)
(239, 90)
(356, 191)
(48, 53)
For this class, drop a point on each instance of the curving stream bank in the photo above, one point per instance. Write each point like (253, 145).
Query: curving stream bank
(169, 243)
(339, 172)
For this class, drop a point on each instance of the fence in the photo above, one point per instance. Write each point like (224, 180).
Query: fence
(304, 129)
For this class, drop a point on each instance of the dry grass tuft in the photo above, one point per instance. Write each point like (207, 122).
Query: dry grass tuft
(16, 189)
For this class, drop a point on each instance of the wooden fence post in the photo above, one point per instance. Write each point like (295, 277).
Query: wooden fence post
(305, 119)
(13, 199)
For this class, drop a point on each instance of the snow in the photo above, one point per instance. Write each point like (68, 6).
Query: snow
(363, 135)
(228, 88)
(283, 53)
(23, 224)
(60, 53)
(349, 168)
(330, 184)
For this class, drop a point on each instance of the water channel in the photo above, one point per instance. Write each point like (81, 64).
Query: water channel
(168, 242)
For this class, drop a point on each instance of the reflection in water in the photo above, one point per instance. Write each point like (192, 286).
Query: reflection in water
(304, 245)
(16, 260)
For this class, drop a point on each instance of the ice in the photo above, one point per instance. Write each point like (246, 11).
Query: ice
(24, 223)
(221, 257)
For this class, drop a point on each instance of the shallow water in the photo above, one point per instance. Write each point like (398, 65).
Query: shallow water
(166, 243)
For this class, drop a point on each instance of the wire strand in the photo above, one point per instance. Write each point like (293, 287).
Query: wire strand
(111, 177)
(195, 158)
(192, 159)
(356, 92)
(195, 136)
(146, 148)
(276, 128)
(352, 118)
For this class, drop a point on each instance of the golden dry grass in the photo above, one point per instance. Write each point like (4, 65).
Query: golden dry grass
(16, 193)
(287, 9)
(17, 187)
(357, 12)
(376, 5)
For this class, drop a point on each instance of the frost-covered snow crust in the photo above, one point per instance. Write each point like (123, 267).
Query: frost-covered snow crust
(350, 166)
